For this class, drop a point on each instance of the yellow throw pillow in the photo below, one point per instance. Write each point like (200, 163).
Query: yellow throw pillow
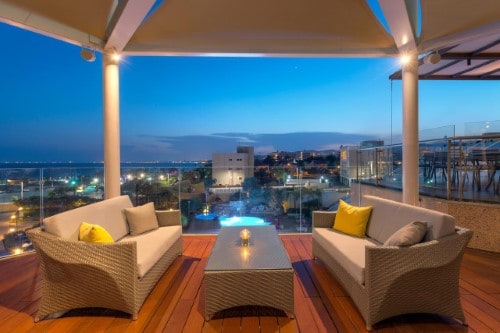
(93, 233)
(352, 220)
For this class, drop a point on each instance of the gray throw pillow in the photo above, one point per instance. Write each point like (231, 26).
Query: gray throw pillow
(408, 235)
(141, 219)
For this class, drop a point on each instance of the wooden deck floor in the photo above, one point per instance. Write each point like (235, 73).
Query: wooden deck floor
(176, 303)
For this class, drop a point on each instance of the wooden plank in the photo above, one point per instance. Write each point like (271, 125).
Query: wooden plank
(475, 324)
(268, 325)
(481, 279)
(212, 326)
(196, 318)
(119, 325)
(321, 316)
(329, 292)
(65, 324)
(250, 324)
(187, 299)
(169, 302)
(302, 312)
(321, 271)
(19, 322)
(352, 312)
(156, 297)
(489, 315)
(288, 325)
(231, 325)
(95, 324)
(325, 309)
(492, 299)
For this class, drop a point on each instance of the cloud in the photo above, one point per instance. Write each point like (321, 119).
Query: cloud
(201, 147)
(146, 148)
(263, 150)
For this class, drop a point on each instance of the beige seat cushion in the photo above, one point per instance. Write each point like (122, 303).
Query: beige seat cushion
(348, 251)
(152, 245)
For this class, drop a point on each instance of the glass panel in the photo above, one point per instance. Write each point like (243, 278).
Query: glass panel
(284, 195)
(482, 128)
(464, 168)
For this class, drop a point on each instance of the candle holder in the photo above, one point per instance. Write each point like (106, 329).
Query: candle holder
(245, 237)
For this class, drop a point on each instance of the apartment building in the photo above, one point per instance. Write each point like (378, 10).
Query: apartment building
(231, 169)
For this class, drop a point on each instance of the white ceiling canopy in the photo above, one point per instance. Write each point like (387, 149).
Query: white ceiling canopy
(81, 22)
(263, 27)
(457, 29)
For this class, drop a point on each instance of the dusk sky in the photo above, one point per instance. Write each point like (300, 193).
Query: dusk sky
(185, 108)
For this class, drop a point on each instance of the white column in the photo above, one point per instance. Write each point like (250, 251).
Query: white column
(111, 119)
(410, 131)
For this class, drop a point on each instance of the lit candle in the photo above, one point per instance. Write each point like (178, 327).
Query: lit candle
(245, 237)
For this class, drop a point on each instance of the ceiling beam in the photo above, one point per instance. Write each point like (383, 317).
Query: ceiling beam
(460, 78)
(472, 68)
(127, 18)
(30, 21)
(490, 74)
(401, 16)
(440, 68)
(471, 56)
(460, 37)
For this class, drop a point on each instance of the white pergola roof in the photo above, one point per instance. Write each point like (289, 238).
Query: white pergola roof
(256, 27)
(466, 34)
(293, 28)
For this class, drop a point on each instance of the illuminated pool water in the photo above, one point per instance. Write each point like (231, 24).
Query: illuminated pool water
(206, 217)
(235, 221)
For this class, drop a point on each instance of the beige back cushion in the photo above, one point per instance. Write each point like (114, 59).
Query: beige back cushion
(108, 214)
(389, 216)
(141, 219)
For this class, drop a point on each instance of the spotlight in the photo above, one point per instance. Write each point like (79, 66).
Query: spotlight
(432, 58)
(404, 59)
(87, 55)
(116, 57)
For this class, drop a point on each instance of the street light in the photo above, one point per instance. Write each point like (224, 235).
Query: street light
(13, 219)
(300, 194)
(300, 199)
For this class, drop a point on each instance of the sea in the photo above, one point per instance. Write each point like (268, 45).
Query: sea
(56, 165)
(28, 172)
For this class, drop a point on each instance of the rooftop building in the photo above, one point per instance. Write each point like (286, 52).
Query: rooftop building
(231, 169)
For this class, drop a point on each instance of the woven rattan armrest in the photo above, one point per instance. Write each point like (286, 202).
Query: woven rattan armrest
(168, 217)
(77, 274)
(323, 219)
(121, 256)
(389, 261)
(418, 279)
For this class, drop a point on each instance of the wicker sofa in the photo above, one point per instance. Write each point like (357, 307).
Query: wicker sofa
(386, 281)
(118, 275)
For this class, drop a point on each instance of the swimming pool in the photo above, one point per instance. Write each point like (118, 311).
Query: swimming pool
(235, 221)
(206, 217)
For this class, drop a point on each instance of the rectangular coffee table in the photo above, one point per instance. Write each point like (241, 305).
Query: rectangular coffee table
(260, 274)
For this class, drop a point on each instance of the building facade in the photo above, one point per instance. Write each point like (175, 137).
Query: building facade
(231, 169)
(363, 163)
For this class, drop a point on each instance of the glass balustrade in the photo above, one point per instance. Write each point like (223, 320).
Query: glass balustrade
(208, 198)
(458, 168)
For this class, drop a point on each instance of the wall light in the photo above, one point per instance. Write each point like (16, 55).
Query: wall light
(404, 59)
(432, 58)
(87, 55)
(116, 57)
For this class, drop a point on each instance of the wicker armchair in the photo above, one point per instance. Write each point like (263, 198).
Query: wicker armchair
(77, 274)
(422, 278)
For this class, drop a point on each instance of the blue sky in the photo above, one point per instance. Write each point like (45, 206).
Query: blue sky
(185, 108)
